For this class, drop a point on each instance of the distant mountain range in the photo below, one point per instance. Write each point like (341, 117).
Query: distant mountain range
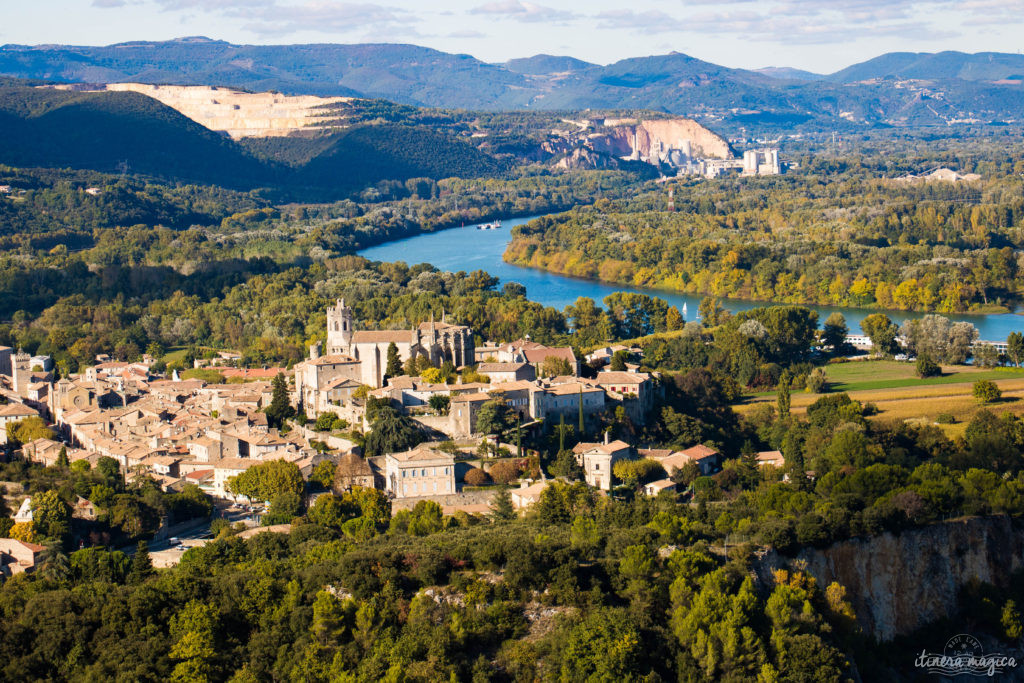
(893, 89)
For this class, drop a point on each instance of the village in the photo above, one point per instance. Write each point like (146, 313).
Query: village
(178, 431)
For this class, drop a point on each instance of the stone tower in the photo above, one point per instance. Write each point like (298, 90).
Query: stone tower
(21, 371)
(339, 328)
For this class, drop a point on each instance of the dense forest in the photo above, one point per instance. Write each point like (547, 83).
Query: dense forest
(835, 232)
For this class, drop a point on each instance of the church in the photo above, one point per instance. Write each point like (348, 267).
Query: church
(438, 341)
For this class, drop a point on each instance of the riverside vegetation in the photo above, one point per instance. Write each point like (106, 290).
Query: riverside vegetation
(839, 232)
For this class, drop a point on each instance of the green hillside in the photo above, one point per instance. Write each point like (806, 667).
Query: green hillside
(102, 131)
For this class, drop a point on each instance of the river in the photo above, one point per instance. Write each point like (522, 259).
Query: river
(471, 249)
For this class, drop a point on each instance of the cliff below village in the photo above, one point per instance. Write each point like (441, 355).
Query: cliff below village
(900, 583)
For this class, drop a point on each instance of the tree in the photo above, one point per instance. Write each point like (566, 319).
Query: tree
(24, 531)
(193, 630)
(1015, 347)
(501, 506)
(134, 517)
(711, 312)
(674, 319)
(604, 646)
(635, 314)
(390, 432)
(323, 473)
(495, 418)
(783, 400)
(566, 466)
(432, 376)
(280, 408)
(817, 381)
(504, 471)
(439, 403)
(1010, 620)
(394, 362)
(142, 564)
(882, 332)
(475, 477)
(987, 391)
(556, 366)
(50, 514)
(330, 511)
(619, 358)
(834, 331)
(28, 430)
(986, 356)
(926, 367)
(285, 506)
(268, 480)
(936, 336)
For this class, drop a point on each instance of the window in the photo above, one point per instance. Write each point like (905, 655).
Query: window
(597, 467)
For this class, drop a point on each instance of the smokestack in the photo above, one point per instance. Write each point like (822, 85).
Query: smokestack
(606, 433)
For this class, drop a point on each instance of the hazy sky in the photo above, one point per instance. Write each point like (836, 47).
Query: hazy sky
(819, 35)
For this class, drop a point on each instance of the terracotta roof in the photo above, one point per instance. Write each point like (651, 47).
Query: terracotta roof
(352, 465)
(252, 373)
(16, 409)
(622, 377)
(655, 453)
(584, 447)
(770, 458)
(699, 451)
(30, 546)
(539, 355)
(424, 452)
(381, 336)
(484, 368)
(471, 398)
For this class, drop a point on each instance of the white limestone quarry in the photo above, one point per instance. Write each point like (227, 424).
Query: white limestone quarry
(242, 114)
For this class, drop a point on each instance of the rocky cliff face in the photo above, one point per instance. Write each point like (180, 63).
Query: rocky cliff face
(655, 141)
(900, 583)
(241, 114)
(602, 143)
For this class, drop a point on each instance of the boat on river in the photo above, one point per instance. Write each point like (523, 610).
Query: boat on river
(489, 226)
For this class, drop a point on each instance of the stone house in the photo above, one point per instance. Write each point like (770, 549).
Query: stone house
(422, 471)
(18, 556)
(351, 471)
(597, 460)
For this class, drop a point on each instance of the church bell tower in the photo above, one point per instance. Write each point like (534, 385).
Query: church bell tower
(339, 328)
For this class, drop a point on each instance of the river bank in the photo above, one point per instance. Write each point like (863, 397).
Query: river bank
(468, 249)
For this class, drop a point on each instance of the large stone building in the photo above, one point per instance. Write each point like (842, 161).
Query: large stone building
(422, 471)
(438, 341)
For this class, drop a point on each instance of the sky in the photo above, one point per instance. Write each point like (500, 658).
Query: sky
(816, 35)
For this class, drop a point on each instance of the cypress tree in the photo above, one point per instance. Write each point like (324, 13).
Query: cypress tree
(142, 564)
(581, 412)
(502, 509)
(394, 364)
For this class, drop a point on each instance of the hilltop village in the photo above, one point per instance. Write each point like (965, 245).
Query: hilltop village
(178, 431)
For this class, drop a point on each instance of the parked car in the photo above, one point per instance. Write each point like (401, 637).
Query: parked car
(173, 541)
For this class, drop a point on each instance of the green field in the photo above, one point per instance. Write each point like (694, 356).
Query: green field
(886, 374)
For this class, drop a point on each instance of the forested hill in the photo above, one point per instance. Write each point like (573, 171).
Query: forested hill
(111, 131)
(893, 89)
